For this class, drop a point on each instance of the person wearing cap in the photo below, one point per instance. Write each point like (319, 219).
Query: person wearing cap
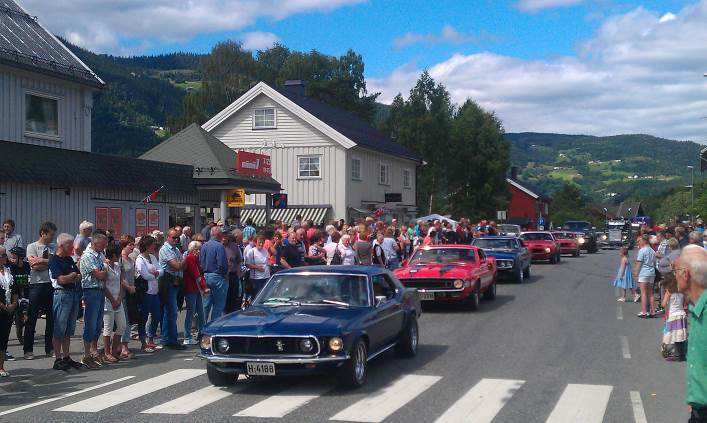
(12, 239)
(82, 239)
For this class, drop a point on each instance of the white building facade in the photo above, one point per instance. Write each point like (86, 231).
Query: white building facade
(322, 156)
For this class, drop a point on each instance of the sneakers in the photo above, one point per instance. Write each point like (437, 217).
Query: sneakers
(73, 364)
(9, 357)
(636, 298)
(60, 364)
(642, 315)
(29, 355)
(90, 363)
(621, 299)
(189, 341)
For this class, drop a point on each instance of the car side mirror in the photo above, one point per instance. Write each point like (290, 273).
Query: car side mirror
(380, 299)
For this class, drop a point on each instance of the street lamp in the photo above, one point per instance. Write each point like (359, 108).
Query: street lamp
(692, 185)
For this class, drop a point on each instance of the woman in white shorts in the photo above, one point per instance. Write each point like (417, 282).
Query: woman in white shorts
(644, 273)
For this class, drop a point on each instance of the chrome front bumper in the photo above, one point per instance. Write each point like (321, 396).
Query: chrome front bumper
(270, 359)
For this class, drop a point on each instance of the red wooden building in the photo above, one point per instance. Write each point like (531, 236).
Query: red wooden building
(527, 207)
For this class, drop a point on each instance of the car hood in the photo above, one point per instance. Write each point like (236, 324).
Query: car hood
(435, 270)
(328, 320)
(539, 244)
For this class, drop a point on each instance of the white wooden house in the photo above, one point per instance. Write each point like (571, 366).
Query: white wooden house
(323, 157)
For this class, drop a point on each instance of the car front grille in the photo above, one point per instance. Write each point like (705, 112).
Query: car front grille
(538, 251)
(429, 283)
(504, 264)
(265, 345)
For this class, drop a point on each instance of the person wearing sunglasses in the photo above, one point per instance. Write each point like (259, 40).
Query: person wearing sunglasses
(8, 304)
(172, 262)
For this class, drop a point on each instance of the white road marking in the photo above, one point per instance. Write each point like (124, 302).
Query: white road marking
(381, 404)
(619, 312)
(67, 395)
(482, 402)
(639, 414)
(191, 402)
(282, 404)
(581, 404)
(624, 347)
(130, 392)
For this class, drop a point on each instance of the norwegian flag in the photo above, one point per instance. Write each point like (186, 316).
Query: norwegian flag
(153, 196)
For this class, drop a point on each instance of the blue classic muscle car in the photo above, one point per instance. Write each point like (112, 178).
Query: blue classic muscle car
(315, 319)
(512, 257)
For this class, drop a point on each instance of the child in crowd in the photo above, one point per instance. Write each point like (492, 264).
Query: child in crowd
(624, 278)
(675, 329)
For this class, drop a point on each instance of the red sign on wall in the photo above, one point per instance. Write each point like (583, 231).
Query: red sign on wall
(153, 220)
(140, 222)
(253, 163)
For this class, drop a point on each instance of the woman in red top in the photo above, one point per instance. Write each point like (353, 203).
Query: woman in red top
(194, 288)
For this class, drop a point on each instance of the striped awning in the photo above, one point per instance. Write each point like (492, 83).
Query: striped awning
(315, 213)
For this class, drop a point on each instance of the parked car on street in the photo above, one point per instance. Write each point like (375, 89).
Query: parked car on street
(451, 274)
(588, 232)
(316, 319)
(512, 257)
(542, 246)
(570, 242)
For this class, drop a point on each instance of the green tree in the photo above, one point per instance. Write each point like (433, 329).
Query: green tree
(568, 203)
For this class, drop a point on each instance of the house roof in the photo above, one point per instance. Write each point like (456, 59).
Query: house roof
(342, 126)
(34, 164)
(527, 188)
(213, 161)
(26, 44)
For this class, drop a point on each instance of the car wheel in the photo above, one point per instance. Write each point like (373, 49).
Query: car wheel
(407, 344)
(520, 276)
(490, 293)
(527, 271)
(219, 378)
(354, 372)
(553, 259)
(474, 299)
(576, 253)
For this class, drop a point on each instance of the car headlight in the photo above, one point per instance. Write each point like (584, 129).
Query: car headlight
(603, 237)
(206, 342)
(336, 344)
(624, 237)
(222, 345)
(458, 284)
(306, 345)
(547, 250)
(580, 240)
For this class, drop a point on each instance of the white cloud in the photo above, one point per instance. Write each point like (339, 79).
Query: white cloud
(667, 18)
(130, 25)
(536, 5)
(448, 35)
(258, 40)
(635, 75)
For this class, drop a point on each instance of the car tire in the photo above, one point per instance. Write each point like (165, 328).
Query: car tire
(526, 272)
(219, 378)
(553, 259)
(576, 254)
(520, 276)
(354, 372)
(490, 293)
(474, 300)
(409, 338)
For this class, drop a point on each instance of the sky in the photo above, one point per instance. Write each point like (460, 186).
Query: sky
(601, 67)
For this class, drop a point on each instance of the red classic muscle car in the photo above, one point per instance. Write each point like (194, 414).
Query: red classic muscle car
(568, 241)
(450, 273)
(542, 246)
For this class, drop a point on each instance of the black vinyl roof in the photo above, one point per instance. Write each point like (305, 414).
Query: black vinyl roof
(24, 43)
(58, 167)
(348, 124)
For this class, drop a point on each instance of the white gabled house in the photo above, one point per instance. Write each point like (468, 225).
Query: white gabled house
(324, 157)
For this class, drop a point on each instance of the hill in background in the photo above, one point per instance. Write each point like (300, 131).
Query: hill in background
(607, 169)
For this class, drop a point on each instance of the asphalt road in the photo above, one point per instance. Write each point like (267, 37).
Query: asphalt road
(558, 348)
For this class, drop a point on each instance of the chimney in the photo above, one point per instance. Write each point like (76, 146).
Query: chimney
(295, 86)
(514, 173)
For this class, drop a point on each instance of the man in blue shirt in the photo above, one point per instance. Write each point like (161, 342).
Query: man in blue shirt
(172, 263)
(215, 267)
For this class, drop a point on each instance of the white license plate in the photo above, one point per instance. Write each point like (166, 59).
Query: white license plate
(427, 296)
(260, 369)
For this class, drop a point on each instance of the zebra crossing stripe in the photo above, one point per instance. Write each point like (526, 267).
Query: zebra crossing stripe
(482, 402)
(67, 395)
(383, 403)
(191, 402)
(581, 404)
(639, 414)
(130, 392)
(282, 404)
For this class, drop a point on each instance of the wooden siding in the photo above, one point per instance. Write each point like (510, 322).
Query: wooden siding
(75, 105)
(30, 205)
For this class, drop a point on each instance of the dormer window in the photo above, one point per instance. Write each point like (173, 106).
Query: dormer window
(41, 115)
(264, 118)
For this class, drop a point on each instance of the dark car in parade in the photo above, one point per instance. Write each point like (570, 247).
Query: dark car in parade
(587, 232)
(513, 259)
(316, 319)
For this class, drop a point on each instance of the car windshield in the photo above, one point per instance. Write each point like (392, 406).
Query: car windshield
(564, 235)
(490, 243)
(442, 255)
(578, 226)
(319, 289)
(536, 236)
(509, 228)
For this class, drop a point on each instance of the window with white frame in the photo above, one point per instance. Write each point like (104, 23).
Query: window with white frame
(356, 169)
(309, 166)
(41, 115)
(264, 118)
(407, 178)
(384, 174)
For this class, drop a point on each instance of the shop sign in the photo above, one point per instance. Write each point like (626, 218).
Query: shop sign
(253, 164)
(235, 198)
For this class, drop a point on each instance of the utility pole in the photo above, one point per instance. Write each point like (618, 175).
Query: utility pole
(692, 186)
